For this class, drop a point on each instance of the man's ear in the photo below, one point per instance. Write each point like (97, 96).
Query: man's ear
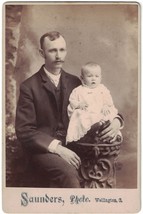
(42, 53)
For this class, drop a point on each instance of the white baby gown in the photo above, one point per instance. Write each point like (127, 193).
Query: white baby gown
(82, 120)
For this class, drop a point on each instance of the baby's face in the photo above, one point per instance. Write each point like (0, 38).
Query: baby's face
(92, 77)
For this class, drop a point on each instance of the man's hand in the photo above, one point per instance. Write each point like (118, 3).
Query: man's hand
(110, 133)
(68, 155)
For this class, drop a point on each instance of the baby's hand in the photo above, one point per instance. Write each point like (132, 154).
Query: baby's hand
(105, 110)
(83, 106)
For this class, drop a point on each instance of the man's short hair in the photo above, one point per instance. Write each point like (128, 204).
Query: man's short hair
(53, 35)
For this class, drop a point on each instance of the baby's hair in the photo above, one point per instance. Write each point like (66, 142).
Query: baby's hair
(88, 65)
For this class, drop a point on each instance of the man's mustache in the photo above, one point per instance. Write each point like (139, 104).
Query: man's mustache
(58, 61)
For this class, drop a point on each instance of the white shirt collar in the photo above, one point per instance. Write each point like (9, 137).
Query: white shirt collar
(54, 78)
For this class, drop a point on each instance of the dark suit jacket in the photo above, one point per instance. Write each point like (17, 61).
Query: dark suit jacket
(37, 111)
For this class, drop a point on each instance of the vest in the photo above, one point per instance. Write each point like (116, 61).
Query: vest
(60, 131)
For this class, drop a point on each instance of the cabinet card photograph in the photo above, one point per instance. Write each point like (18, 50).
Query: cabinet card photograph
(71, 107)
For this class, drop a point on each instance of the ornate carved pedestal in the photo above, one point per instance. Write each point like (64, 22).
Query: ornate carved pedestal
(98, 168)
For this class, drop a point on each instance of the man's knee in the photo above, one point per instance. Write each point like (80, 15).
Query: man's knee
(70, 172)
(58, 170)
(70, 178)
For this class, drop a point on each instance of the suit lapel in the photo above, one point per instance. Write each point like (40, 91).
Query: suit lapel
(64, 87)
(64, 84)
(48, 85)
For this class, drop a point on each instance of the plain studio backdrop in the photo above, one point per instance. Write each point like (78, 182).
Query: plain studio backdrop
(107, 34)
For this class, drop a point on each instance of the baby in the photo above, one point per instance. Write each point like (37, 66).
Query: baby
(90, 105)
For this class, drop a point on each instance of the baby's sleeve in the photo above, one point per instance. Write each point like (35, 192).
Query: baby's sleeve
(107, 98)
(73, 101)
(108, 101)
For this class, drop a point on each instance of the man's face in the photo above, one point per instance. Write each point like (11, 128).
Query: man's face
(54, 53)
(92, 77)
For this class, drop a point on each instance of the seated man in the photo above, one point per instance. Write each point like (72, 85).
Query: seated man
(42, 120)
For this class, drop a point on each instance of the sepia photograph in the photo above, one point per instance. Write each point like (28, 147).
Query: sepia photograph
(71, 74)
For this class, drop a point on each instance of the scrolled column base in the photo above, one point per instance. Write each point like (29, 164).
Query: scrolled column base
(98, 168)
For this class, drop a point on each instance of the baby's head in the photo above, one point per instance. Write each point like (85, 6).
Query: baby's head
(91, 74)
